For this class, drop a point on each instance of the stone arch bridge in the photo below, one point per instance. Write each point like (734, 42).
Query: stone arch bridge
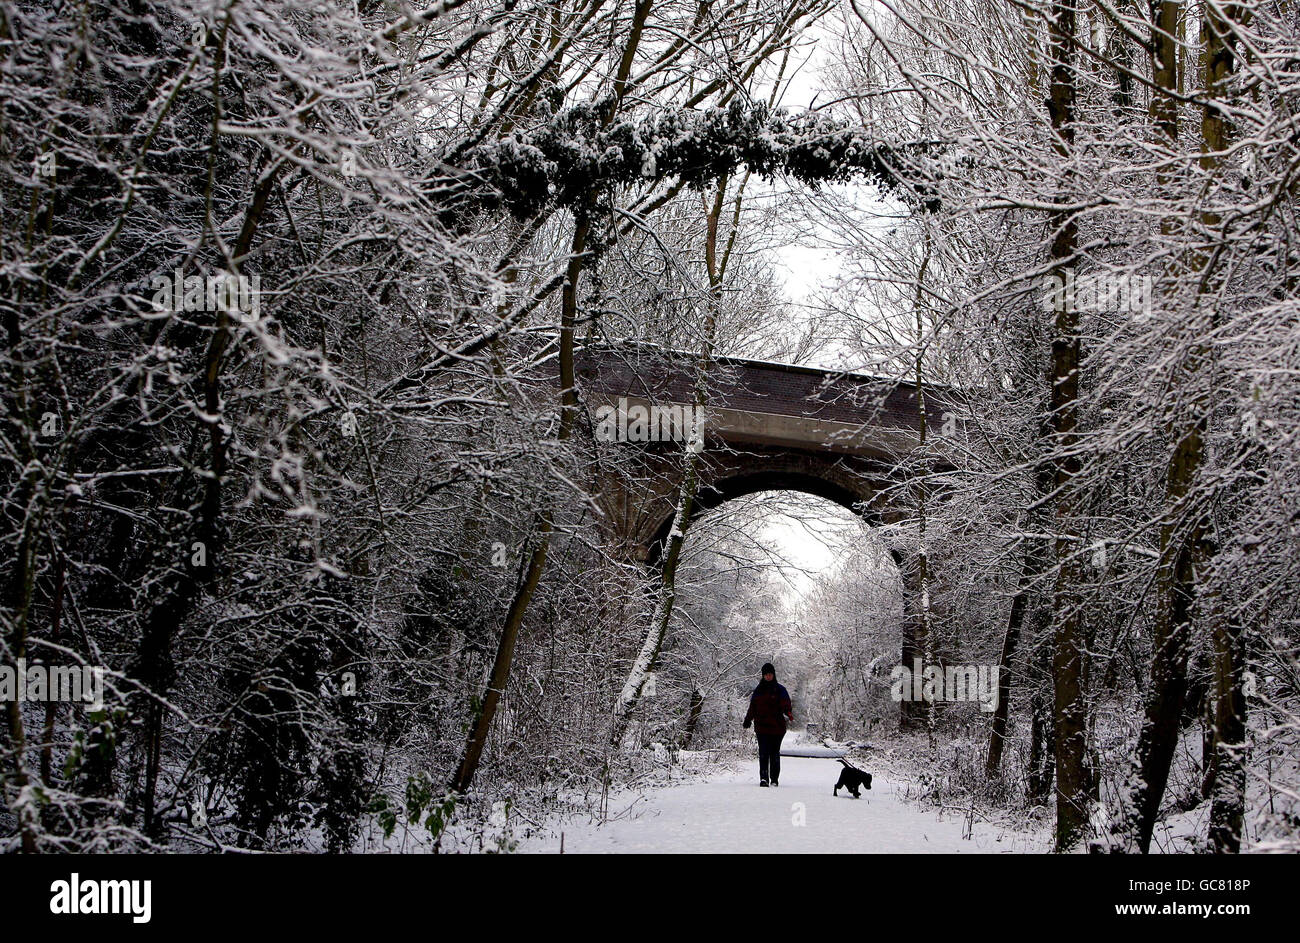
(849, 438)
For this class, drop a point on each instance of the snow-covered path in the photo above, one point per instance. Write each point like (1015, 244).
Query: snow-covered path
(730, 813)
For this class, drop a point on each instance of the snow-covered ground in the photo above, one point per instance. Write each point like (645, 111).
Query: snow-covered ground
(728, 812)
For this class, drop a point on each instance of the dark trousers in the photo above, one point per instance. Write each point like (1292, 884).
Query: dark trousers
(769, 756)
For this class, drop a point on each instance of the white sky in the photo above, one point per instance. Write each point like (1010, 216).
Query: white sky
(805, 266)
(810, 547)
(810, 261)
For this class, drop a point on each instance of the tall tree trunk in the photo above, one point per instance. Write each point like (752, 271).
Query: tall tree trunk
(1228, 792)
(647, 658)
(922, 640)
(716, 267)
(52, 708)
(1026, 600)
(1208, 739)
(485, 710)
(998, 731)
(1228, 759)
(1030, 571)
(1042, 745)
(1176, 584)
(1172, 635)
(1184, 550)
(481, 724)
(1070, 710)
(693, 711)
(911, 712)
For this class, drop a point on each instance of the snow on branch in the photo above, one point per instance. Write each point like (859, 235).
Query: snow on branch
(560, 163)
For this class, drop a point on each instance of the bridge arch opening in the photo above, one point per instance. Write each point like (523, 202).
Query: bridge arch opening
(786, 569)
(839, 489)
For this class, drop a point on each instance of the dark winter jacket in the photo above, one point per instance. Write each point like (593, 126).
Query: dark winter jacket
(769, 708)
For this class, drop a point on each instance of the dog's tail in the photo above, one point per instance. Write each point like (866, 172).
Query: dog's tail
(849, 765)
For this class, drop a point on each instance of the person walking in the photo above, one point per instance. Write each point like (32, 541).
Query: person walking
(769, 712)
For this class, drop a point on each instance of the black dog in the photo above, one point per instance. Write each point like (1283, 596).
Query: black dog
(851, 778)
